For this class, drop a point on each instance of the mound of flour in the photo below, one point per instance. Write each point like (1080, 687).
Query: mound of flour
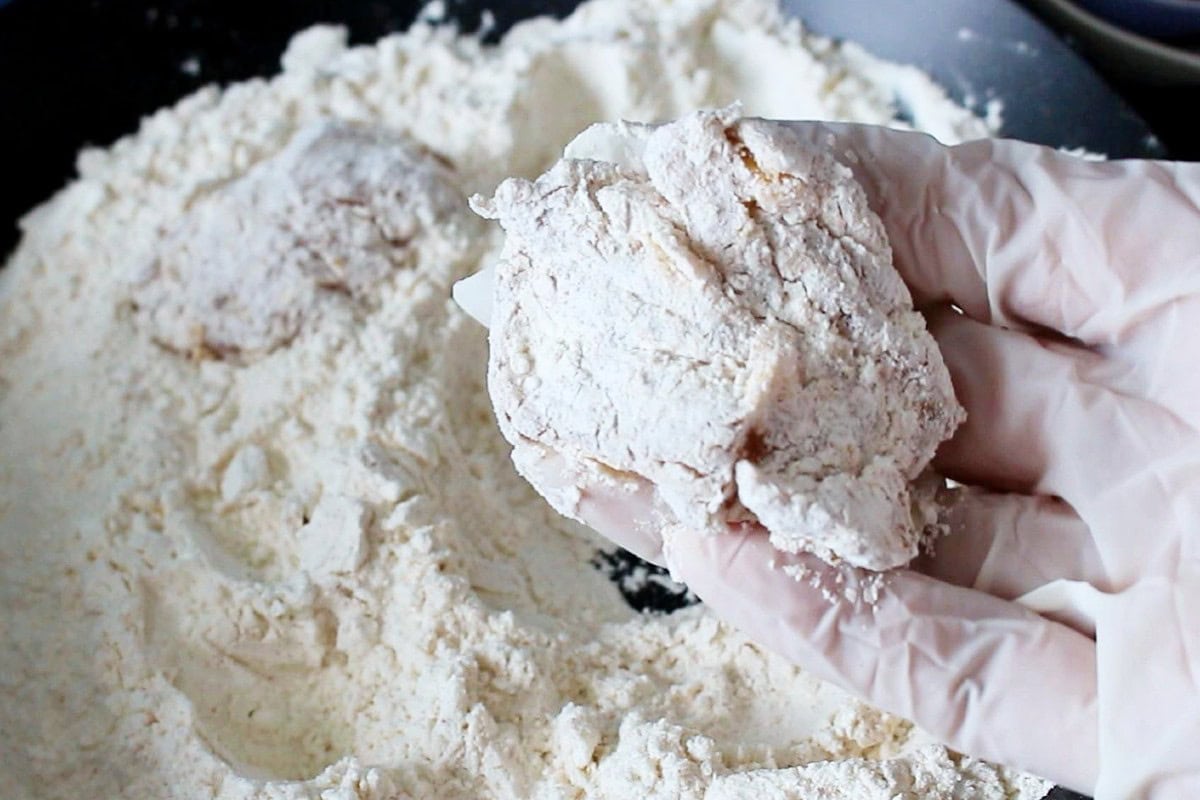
(710, 305)
(259, 534)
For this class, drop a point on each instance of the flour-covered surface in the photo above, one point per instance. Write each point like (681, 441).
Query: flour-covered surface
(710, 305)
(337, 210)
(252, 548)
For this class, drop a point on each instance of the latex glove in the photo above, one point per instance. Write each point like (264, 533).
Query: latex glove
(1078, 360)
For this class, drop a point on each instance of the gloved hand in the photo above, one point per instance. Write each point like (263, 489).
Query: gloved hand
(1077, 357)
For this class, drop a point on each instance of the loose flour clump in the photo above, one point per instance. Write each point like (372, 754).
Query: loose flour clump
(715, 310)
(295, 562)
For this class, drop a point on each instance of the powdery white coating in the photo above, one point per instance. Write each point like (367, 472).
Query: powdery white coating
(335, 211)
(711, 305)
(308, 570)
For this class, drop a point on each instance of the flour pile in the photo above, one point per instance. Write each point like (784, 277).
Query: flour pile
(259, 534)
(710, 305)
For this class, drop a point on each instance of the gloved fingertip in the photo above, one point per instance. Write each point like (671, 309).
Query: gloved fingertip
(474, 295)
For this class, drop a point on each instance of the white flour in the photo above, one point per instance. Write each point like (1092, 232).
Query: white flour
(711, 305)
(259, 535)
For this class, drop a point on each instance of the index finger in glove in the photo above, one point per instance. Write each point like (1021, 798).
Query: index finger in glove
(1010, 544)
(987, 676)
(1019, 234)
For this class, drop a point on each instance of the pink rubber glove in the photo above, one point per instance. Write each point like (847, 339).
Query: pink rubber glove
(1078, 360)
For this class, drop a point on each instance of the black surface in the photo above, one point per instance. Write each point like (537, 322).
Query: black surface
(1167, 109)
(74, 72)
(635, 579)
(980, 49)
(1166, 19)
